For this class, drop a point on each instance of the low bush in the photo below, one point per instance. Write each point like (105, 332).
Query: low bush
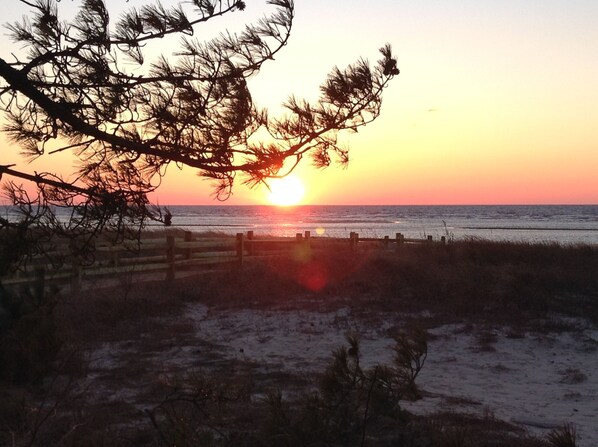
(351, 406)
(29, 339)
(565, 436)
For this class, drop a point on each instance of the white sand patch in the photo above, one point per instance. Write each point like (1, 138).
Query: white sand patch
(538, 382)
(295, 340)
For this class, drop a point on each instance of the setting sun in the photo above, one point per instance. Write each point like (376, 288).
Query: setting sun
(286, 191)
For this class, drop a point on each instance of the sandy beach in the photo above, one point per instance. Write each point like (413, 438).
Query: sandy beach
(537, 381)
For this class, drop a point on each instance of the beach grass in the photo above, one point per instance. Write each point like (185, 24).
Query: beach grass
(521, 286)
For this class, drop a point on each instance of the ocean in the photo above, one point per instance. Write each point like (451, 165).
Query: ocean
(565, 224)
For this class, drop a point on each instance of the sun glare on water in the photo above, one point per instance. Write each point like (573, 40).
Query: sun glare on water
(286, 191)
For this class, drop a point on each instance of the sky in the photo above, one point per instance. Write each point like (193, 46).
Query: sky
(496, 103)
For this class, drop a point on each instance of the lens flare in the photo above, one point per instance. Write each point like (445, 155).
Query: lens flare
(313, 276)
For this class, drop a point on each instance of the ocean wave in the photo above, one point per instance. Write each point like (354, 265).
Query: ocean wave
(348, 221)
(526, 228)
(212, 224)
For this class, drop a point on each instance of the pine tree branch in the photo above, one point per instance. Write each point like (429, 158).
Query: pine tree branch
(41, 180)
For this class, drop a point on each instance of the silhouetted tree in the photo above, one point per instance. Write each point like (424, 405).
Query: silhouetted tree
(86, 87)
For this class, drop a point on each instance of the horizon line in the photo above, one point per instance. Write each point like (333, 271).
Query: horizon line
(386, 204)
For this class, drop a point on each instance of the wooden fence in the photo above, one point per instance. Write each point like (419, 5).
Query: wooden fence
(170, 254)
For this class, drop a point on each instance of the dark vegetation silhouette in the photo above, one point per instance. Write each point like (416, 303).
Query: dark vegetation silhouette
(90, 87)
(351, 405)
(96, 87)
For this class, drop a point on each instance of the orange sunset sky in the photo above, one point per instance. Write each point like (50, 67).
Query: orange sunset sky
(496, 103)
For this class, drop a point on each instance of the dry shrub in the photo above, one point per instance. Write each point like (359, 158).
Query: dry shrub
(200, 410)
(475, 278)
(465, 430)
(29, 341)
(352, 405)
(565, 436)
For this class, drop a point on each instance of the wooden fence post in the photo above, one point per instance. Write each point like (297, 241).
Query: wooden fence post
(400, 240)
(188, 238)
(250, 242)
(429, 239)
(307, 237)
(170, 258)
(240, 248)
(354, 239)
(443, 240)
(299, 239)
(386, 241)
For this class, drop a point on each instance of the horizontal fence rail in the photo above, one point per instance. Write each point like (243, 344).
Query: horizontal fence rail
(170, 254)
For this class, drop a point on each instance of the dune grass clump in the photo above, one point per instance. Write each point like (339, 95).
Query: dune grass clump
(564, 436)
